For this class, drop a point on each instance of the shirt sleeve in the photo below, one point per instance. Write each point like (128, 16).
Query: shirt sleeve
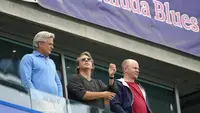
(59, 85)
(26, 71)
(76, 88)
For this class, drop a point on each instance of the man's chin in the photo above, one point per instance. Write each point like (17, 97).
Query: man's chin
(49, 53)
(87, 68)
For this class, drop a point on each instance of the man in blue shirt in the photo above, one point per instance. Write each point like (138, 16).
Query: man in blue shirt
(37, 70)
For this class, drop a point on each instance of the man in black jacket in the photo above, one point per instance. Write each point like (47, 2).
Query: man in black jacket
(130, 97)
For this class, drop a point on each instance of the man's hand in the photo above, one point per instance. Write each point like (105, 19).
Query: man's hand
(112, 69)
(108, 95)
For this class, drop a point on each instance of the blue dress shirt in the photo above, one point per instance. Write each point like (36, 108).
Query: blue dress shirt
(39, 72)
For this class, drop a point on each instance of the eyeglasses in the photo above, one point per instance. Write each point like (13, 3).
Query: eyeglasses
(86, 59)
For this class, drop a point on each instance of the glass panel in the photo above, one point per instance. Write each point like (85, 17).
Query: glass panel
(77, 107)
(14, 94)
(57, 60)
(161, 100)
(10, 59)
(47, 103)
(70, 66)
(10, 84)
(100, 75)
(6, 107)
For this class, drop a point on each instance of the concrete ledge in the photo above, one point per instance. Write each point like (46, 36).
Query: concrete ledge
(42, 16)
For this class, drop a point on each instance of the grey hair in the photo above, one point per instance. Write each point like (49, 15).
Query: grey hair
(42, 36)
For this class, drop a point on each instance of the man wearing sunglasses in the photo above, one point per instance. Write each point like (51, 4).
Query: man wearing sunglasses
(82, 88)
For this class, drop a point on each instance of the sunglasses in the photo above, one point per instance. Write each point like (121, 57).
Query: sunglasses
(86, 59)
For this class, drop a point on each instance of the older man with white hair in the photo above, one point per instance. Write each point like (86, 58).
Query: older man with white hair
(37, 70)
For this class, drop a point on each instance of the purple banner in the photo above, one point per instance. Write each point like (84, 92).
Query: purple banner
(173, 23)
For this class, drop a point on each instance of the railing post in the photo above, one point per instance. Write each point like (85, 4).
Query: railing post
(177, 97)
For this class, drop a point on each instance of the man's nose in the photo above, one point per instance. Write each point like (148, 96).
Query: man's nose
(52, 47)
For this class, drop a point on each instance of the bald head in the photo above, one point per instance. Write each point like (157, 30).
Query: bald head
(127, 62)
(130, 69)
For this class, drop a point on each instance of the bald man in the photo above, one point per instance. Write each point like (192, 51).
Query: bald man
(131, 97)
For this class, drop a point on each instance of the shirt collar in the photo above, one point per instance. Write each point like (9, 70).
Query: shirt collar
(124, 82)
(36, 53)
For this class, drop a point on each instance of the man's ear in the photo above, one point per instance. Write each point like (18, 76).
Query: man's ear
(124, 69)
(39, 44)
(93, 66)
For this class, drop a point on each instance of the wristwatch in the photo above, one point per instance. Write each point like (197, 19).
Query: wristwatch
(111, 77)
